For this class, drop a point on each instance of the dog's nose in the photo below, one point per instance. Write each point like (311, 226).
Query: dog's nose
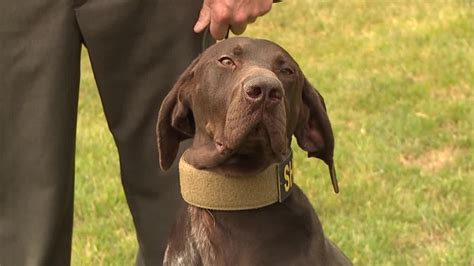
(263, 88)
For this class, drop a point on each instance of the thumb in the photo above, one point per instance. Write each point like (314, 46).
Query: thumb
(203, 20)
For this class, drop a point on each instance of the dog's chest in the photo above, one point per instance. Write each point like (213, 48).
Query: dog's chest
(275, 235)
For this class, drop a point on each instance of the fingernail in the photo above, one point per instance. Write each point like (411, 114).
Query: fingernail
(198, 27)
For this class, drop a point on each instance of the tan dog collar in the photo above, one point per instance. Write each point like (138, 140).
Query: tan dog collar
(206, 189)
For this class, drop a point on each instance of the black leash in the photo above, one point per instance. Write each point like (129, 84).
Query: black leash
(205, 37)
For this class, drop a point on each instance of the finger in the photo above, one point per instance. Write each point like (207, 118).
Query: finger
(203, 20)
(267, 6)
(238, 29)
(218, 30)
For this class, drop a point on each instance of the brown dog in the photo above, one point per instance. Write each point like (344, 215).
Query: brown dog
(242, 101)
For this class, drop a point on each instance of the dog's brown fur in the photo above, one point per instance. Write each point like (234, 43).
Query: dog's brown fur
(242, 101)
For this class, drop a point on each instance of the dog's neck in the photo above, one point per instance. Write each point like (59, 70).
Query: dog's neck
(210, 190)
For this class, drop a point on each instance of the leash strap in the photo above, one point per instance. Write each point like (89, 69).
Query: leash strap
(205, 38)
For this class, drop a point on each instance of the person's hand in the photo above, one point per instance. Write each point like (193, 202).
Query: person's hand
(236, 14)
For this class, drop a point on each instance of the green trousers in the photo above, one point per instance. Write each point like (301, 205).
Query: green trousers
(137, 49)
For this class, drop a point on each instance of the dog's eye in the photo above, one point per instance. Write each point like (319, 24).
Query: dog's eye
(286, 71)
(226, 61)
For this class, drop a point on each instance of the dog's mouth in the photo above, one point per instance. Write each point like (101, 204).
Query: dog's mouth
(254, 140)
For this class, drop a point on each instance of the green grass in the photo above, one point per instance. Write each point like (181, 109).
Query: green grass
(397, 77)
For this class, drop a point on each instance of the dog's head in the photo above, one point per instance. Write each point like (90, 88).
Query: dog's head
(241, 101)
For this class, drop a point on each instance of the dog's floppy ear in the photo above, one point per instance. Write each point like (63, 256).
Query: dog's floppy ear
(175, 119)
(313, 131)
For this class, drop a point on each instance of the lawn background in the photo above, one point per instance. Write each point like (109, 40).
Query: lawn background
(398, 80)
